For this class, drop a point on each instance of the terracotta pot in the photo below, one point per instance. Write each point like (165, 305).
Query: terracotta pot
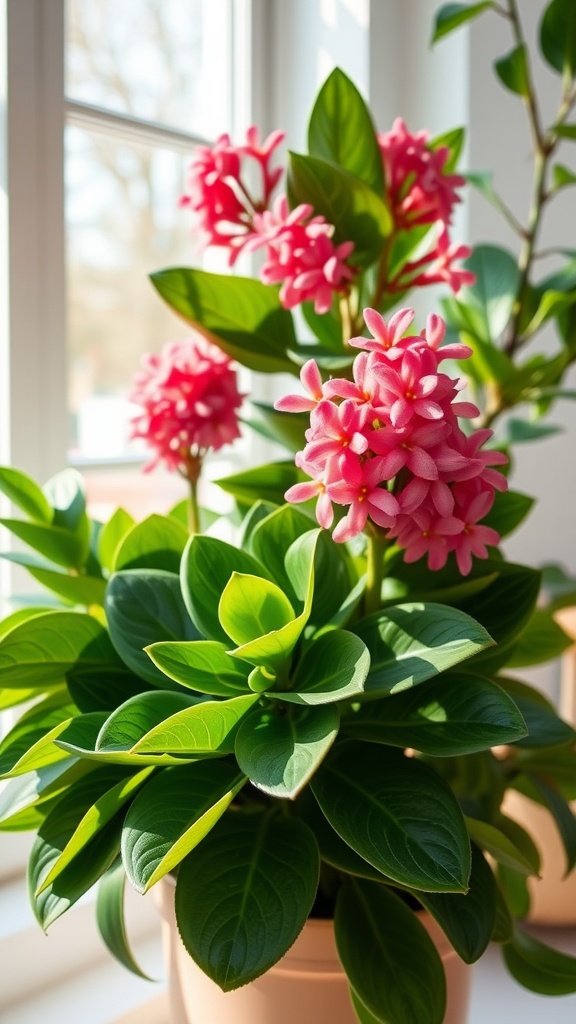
(308, 985)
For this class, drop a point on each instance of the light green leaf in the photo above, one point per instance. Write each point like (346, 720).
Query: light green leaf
(239, 314)
(280, 752)
(341, 130)
(389, 958)
(396, 813)
(237, 925)
(563, 176)
(204, 729)
(29, 744)
(137, 716)
(251, 607)
(83, 590)
(155, 543)
(412, 642)
(54, 542)
(80, 736)
(24, 492)
(493, 293)
(153, 843)
(201, 665)
(111, 536)
(540, 641)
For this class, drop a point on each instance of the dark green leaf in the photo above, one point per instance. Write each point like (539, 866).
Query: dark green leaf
(559, 808)
(279, 750)
(396, 813)
(266, 483)
(451, 16)
(558, 36)
(499, 846)
(237, 924)
(493, 293)
(285, 428)
(512, 70)
(565, 131)
(541, 640)
(545, 728)
(510, 508)
(390, 960)
(341, 131)
(468, 921)
(539, 967)
(518, 431)
(239, 314)
(563, 176)
(110, 918)
(334, 667)
(145, 606)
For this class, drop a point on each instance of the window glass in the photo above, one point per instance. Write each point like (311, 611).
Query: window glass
(165, 61)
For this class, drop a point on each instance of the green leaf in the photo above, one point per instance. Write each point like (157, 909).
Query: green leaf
(153, 843)
(499, 846)
(80, 736)
(137, 716)
(492, 295)
(519, 431)
(389, 958)
(29, 744)
(453, 140)
(236, 925)
(145, 606)
(451, 16)
(541, 640)
(357, 213)
(538, 967)
(207, 565)
(559, 808)
(102, 811)
(512, 70)
(341, 130)
(26, 494)
(201, 730)
(285, 428)
(155, 543)
(239, 314)
(110, 918)
(545, 728)
(413, 642)
(84, 590)
(41, 650)
(280, 752)
(332, 848)
(334, 667)
(396, 813)
(54, 542)
(266, 483)
(510, 508)
(35, 793)
(111, 536)
(201, 665)
(444, 717)
(468, 921)
(251, 607)
(558, 36)
(562, 176)
(565, 131)
(515, 589)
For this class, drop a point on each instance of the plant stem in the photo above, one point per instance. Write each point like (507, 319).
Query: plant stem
(374, 570)
(193, 510)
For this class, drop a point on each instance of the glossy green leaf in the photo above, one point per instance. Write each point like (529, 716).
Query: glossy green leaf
(110, 918)
(558, 36)
(82, 590)
(24, 492)
(29, 744)
(201, 730)
(356, 211)
(396, 813)
(510, 508)
(134, 719)
(251, 607)
(102, 811)
(512, 70)
(341, 130)
(538, 967)
(37, 790)
(202, 665)
(41, 650)
(54, 542)
(447, 717)
(413, 642)
(334, 667)
(499, 846)
(280, 750)
(560, 810)
(207, 565)
(285, 428)
(111, 536)
(332, 848)
(451, 16)
(66, 492)
(155, 543)
(153, 843)
(389, 958)
(266, 483)
(271, 539)
(239, 314)
(236, 925)
(516, 589)
(545, 728)
(80, 736)
(145, 606)
(467, 920)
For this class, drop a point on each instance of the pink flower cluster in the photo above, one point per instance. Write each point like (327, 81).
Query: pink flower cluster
(189, 397)
(387, 444)
(421, 192)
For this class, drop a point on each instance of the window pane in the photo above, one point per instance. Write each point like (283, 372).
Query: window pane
(123, 221)
(162, 60)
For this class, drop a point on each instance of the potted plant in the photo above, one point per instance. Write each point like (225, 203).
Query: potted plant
(319, 717)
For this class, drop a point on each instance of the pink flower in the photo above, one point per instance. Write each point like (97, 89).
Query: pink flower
(386, 335)
(361, 489)
(312, 381)
(443, 270)
(335, 432)
(475, 537)
(189, 397)
(410, 390)
(418, 188)
(301, 256)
